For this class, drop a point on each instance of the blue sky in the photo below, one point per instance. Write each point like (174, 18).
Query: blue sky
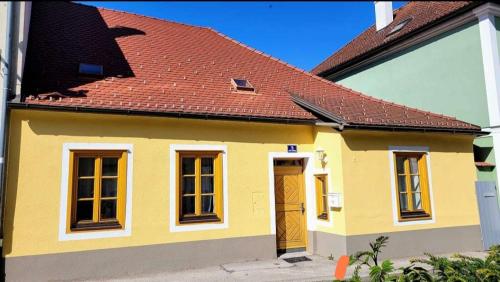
(300, 33)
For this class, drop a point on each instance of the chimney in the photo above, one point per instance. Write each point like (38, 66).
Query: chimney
(383, 14)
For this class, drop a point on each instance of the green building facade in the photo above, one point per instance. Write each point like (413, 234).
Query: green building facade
(449, 69)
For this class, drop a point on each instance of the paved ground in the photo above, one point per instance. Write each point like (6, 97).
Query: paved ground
(318, 269)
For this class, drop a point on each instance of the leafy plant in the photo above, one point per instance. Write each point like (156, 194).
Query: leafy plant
(413, 273)
(370, 259)
(465, 268)
(381, 273)
(458, 268)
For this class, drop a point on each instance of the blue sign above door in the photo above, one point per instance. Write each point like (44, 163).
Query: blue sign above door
(292, 148)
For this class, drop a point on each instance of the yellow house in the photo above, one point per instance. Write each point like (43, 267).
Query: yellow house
(141, 145)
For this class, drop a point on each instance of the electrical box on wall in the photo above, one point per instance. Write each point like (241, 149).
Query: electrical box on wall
(335, 200)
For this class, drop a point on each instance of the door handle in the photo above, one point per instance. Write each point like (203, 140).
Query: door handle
(302, 208)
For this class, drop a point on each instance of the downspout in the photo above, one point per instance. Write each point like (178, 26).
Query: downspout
(3, 104)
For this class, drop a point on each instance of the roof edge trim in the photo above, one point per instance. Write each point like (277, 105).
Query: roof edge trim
(319, 110)
(76, 109)
(316, 109)
(395, 128)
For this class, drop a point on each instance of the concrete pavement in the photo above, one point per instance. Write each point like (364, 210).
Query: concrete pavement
(318, 269)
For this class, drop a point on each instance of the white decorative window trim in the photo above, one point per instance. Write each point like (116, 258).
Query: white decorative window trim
(325, 171)
(173, 202)
(63, 208)
(309, 187)
(413, 149)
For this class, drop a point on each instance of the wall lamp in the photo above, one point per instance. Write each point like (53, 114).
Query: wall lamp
(321, 155)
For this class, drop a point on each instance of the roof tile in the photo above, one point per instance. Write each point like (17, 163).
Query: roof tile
(158, 66)
(422, 13)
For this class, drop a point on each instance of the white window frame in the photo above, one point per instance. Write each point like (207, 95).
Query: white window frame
(174, 227)
(394, 192)
(63, 208)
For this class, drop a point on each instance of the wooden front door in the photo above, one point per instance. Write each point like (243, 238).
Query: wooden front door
(290, 207)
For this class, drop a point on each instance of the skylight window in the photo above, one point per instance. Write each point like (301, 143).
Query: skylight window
(399, 26)
(90, 69)
(242, 84)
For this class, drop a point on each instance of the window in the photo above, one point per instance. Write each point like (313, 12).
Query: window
(199, 187)
(90, 69)
(482, 157)
(242, 84)
(412, 186)
(97, 192)
(321, 197)
(399, 26)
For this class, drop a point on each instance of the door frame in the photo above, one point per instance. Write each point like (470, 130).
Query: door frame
(309, 190)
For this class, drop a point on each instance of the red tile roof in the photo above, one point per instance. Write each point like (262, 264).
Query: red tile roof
(161, 67)
(422, 15)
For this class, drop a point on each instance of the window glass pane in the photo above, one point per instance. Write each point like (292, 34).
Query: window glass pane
(403, 202)
(187, 166)
(323, 186)
(325, 204)
(187, 205)
(207, 184)
(207, 204)
(85, 188)
(84, 210)
(110, 166)
(417, 201)
(188, 185)
(90, 69)
(85, 166)
(108, 209)
(108, 188)
(207, 165)
(415, 183)
(402, 183)
(240, 82)
(400, 164)
(413, 165)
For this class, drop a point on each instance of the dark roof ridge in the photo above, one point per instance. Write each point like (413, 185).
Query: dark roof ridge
(140, 15)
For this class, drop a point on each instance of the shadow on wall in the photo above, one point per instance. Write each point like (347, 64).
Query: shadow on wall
(161, 128)
(380, 141)
(12, 174)
(63, 35)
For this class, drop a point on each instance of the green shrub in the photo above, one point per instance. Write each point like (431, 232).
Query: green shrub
(458, 268)
(413, 273)
(465, 268)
